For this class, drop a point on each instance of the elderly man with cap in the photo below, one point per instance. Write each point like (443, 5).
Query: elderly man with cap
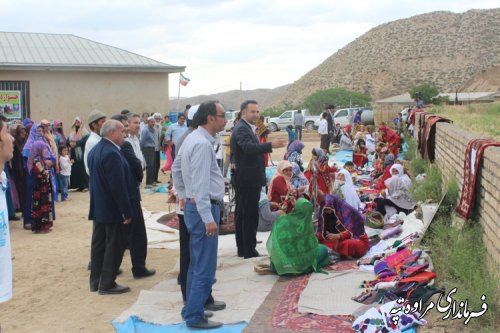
(95, 120)
(148, 146)
(175, 132)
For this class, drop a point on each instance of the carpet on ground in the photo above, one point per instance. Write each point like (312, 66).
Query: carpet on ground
(237, 284)
(136, 325)
(340, 288)
(279, 311)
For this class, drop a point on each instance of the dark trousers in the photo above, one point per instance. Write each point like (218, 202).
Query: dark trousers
(382, 202)
(247, 220)
(298, 132)
(157, 165)
(325, 142)
(184, 259)
(149, 156)
(137, 240)
(106, 254)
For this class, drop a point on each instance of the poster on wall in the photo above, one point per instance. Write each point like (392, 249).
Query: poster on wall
(10, 104)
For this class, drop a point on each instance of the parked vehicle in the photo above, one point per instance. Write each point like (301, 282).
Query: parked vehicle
(345, 116)
(230, 116)
(286, 118)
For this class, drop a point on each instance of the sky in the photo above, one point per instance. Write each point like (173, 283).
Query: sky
(224, 44)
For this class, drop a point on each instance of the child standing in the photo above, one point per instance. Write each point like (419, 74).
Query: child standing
(65, 167)
(291, 134)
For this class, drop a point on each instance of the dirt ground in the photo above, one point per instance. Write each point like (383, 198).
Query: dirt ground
(51, 288)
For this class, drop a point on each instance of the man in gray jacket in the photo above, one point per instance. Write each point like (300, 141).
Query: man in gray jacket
(298, 122)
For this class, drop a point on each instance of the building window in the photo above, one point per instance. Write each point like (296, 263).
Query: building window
(11, 107)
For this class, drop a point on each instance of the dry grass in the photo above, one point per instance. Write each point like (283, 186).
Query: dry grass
(482, 119)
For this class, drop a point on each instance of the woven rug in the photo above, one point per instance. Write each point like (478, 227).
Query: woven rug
(279, 311)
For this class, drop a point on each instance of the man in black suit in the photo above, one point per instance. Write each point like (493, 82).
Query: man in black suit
(249, 176)
(135, 232)
(110, 207)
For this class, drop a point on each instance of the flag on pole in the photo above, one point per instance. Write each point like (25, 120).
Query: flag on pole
(183, 80)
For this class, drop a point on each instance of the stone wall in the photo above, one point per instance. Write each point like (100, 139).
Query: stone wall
(451, 144)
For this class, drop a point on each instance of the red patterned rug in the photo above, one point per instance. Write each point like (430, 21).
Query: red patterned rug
(279, 311)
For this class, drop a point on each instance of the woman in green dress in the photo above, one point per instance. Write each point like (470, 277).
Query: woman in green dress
(293, 246)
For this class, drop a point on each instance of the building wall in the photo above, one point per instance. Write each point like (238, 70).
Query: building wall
(451, 144)
(65, 95)
(386, 113)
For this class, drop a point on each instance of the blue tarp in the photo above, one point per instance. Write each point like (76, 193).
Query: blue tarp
(136, 325)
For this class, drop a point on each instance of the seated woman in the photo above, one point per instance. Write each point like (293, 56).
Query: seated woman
(344, 189)
(346, 142)
(341, 228)
(268, 213)
(298, 179)
(281, 191)
(319, 174)
(294, 152)
(380, 181)
(360, 157)
(292, 246)
(398, 192)
(390, 137)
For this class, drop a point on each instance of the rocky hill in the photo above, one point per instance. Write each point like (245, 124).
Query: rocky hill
(452, 51)
(232, 99)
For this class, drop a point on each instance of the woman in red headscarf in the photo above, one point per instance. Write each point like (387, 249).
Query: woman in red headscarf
(390, 137)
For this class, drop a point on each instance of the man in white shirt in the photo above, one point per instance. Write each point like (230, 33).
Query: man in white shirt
(323, 132)
(95, 120)
(6, 153)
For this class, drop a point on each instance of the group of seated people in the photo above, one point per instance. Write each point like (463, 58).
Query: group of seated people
(320, 192)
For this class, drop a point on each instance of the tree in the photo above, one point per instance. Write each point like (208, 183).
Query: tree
(339, 97)
(426, 90)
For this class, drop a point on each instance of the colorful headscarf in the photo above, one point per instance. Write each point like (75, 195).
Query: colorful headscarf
(32, 138)
(37, 152)
(348, 216)
(389, 160)
(298, 179)
(27, 122)
(295, 146)
(292, 244)
(282, 165)
(389, 134)
(59, 132)
(347, 128)
(77, 133)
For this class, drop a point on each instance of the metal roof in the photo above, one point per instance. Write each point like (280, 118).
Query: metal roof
(399, 99)
(40, 51)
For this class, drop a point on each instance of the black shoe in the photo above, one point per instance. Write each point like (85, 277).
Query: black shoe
(205, 324)
(115, 290)
(94, 288)
(14, 218)
(215, 306)
(208, 314)
(144, 274)
(254, 254)
(119, 271)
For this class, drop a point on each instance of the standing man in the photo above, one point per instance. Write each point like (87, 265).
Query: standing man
(6, 153)
(95, 120)
(148, 150)
(200, 187)
(298, 122)
(158, 135)
(175, 132)
(144, 122)
(249, 176)
(135, 232)
(110, 208)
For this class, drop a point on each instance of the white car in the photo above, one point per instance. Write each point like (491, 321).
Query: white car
(230, 116)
